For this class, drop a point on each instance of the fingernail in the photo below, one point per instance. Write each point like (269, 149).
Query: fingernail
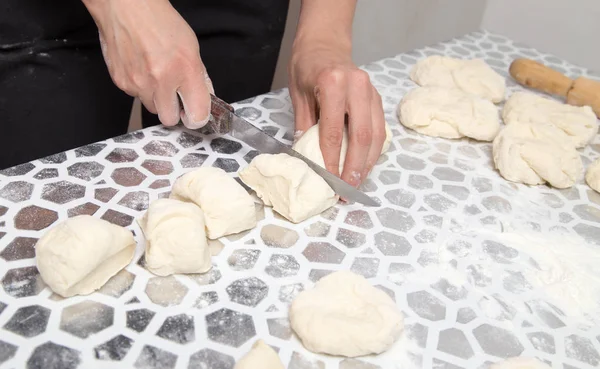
(297, 135)
(209, 84)
(193, 123)
(355, 178)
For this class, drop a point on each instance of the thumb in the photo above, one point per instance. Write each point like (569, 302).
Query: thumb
(195, 98)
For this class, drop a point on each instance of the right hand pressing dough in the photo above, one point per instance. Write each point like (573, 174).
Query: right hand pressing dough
(536, 153)
(288, 185)
(449, 113)
(175, 238)
(343, 314)
(79, 255)
(520, 363)
(474, 77)
(592, 176)
(227, 207)
(262, 356)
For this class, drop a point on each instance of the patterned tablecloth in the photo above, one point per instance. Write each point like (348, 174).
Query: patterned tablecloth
(433, 246)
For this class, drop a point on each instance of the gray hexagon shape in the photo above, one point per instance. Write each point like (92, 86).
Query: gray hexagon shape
(52, 356)
(86, 318)
(248, 291)
(7, 351)
(62, 192)
(114, 349)
(139, 319)
(410, 162)
(280, 328)
(581, 349)
(359, 218)
(350, 239)
(282, 266)
(367, 267)
(426, 305)
(17, 191)
(401, 197)
(497, 341)
(29, 321)
(243, 259)
(210, 359)
(439, 202)
(499, 252)
(542, 341)
(448, 174)
(419, 182)
(497, 204)
(229, 327)
(323, 252)
(454, 342)
(86, 170)
(388, 177)
(178, 328)
(160, 148)
(154, 358)
(452, 292)
(395, 219)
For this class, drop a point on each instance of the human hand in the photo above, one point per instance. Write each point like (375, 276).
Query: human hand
(326, 86)
(153, 54)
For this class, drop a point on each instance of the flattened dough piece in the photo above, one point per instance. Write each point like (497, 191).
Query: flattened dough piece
(578, 123)
(227, 207)
(175, 238)
(536, 153)
(520, 363)
(343, 314)
(309, 145)
(262, 356)
(474, 76)
(449, 113)
(78, 256)
(288, 185)
(592, 176)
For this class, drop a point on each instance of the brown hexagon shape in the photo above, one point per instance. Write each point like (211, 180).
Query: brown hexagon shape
(85, 209)
(35, 218)
(121, 155)
(117, 218)
(128, 177)
(105, 194)
(160, 148)
(158, 167)
(19, 248)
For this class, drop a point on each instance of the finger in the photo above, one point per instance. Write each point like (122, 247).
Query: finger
(194, 93)
(167, 104)
(378, 134)
(360, 128)
(304, 112)
(332, 103)
(147, 99)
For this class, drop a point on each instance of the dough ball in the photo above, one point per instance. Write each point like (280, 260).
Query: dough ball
(536, 153)
(579, 123)
(308, 145)
(227, 207)
(288, 185)
(474, 77)
(343, 314)
(262, 356)
(520, 363)
(449, 113)
(175, 238)
(78, 256)
(592, 176)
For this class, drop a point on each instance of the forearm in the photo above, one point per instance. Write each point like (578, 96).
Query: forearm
(326, 21)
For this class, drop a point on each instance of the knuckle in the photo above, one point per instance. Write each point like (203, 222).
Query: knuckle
(331, 76)
(332, 138)
(364, 136)
(361, 77)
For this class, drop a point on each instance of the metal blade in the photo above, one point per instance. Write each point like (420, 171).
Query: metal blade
(265, 144)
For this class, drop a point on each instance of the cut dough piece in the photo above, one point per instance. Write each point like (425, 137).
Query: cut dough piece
(288, 185)
(592, 176)
(520, 363)
(579, 123)
(536, 153)
(474, 77)
(343, 314)
(227, 207)
(262, 356)
(449, 113)
(309, 145)
(175, 238)
(78, 256)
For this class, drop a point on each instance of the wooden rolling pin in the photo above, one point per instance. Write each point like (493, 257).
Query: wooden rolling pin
(580, 92)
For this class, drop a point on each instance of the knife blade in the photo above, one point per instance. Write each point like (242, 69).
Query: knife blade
(224, 120)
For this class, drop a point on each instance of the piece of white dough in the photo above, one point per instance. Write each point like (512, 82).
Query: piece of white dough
(578, 122)
(592, 176)
(175, 238)
(449, 113)
(343, 314)
(262, 356)
(520, 363)
(474, 76)
(288, 185)
(309, 145)
(227, 207)
(536, 153)
(79, 255)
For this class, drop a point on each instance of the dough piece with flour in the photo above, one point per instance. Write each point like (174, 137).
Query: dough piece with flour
(175, 238)
(474, 77)
(227, 207)
(579, 123)
(288, 185)
(520, 363)
(309, 145)
(592, 176)
(262, 356)
(449, 113)
(343, 314)
(79, 255)
(536, 153)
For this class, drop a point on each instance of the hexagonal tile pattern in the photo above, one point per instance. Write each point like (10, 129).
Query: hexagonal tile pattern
(497, 341)
(155, 358)
(16, 191)
(62, 192)
(53, 356)
(178, 328)
(114, 349)
(229, 327)
(249, 291)
(207, 358)
(29, 321)
(127, 177)
(86, 318)
(139, 319)
(86, 170)
(19, 248)
(122, 155)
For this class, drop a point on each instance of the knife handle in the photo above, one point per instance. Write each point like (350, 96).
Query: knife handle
(220, 119)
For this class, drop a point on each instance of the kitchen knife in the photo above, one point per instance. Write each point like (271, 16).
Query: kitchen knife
(224, 120)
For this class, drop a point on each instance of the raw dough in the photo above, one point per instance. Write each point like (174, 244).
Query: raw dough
(345, 315)
(175, 238)
(262, 356)
(227, 207)
(474, 77)
(78, 256)
(309, 145)
(449, 113)
(288, 185)
(536, 153)
(592, 176)
(520, 363)
(579, 123)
